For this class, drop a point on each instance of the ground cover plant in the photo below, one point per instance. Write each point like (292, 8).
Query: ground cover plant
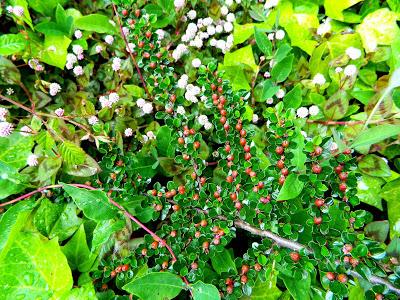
(224, 149)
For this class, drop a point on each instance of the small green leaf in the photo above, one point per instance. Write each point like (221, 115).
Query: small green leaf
(55, 50)
(291, 188)
(203, 291)
(298, 288)
(104, 230)
(72, 153)
(262, 41)
(156, 286)
(334, 9)
(11, 44)
(293, 98)
(269, 89)
(391, 193)
(282, 69)
(94, 203)
(95, 22)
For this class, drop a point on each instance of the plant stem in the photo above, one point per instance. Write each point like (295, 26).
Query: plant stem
(130, 53)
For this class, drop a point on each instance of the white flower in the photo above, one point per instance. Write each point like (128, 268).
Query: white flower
(93, 120)
(196, 63)
(270, 101)
(229, 2)
(78, 70)
(272, 63)
(324, 28)
(313, 110)
(98, 49)
(59, 112)
(280, 94)
(271, 3)
(180, 50)
(179, 4)
(221, 44)
(147, 108)
(302, 112)
(150, 135)
(280, 34)
(228, 27)
(10, 91)
(105, 102)
(303, 133)
(180, 110)
(334, 146)
(71, 59)
(9, 9)
(54, 88)
(116, 64)
(160, 33)
(18, 10)
(109, 39)
(338, 70)
(5, 129)
(25, 131)
(207, 21)
(255, 118)
(140, 102)
(77, 49)
(32, 160)
(130, 47)
(78, 34)
(202, 119)
(319, 79)
(267, 75)
(353, 53)
(113, 97)
(224, 10)
(230, 17)
(350, 70)
(207, 126)
(128, 132)
(3, 114)
(271, 36)
(219, 29)
(182, 82)
(192, 14)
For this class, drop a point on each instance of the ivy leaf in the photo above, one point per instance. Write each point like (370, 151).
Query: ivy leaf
(262, 41)
(291, 188)
(77, 252)
(11, 182)
(203, 291)
(241, 56)
(282, 69)
(72, 153)
(156, 286)
(337, 105)
(44, 271)
(66, 224)
(375, 134)
(222, 262)
(391, 193)
(374, 165)
(93, 203)
(11, 44)
(95, 22)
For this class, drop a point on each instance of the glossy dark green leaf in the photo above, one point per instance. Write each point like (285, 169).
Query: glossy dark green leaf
(262, 41)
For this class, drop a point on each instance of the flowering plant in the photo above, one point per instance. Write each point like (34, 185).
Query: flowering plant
(204, 149)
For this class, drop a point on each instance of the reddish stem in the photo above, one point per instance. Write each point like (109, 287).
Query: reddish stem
(130, 53)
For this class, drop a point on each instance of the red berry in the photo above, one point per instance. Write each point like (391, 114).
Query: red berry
(279, 150)
(154, 245)
(378, 297)
(124, 12)
(317, 220)
(342, 278)
(242, 142)
(316, 169)
(343, 187)
(118, 269)
(330, 276)
(285, 172)
(137, 13)
(285, 144)
(245, 269)
(113, 274)
(196, 145)
(343, 176)
(243, 133)
(282, 180)
(238, 205)
(181, 189)
(229, 289)
(295, 256)
(125, 268)
(203, 223)
(194, 266)
(243, 279)
(319, 202)
(205, 245)
(227, 148)
(257, 267)
(318, 150)
(238, 126)
(181, 140)
(222, 120)
(246, 148)
(338, 169)
(229, 179)
(280, 164)
(347, 151)
(247, 156)
(233, 196)
(229, 281)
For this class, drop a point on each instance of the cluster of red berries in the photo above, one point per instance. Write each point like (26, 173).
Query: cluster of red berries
(340, 277)
(343, 178)
(280, 150)
(119, 269)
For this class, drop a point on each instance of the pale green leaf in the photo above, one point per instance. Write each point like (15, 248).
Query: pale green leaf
(391, 193)
(291, 188)
(203, 291)
(95, 22)
(222, 262)
(334, 9)
(58, 56)
(11, 44)
(375, 134)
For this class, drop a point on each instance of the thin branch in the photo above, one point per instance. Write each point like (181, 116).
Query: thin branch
(130, 52)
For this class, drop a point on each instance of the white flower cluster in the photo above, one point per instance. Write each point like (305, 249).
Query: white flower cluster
(32, 160)
(3, 114)
(116, 64)
(183, 81)
(179, 51)
(59, 112)
(192, 92)
(146, 107)
(303, 112)
(99, 48)
(196, 63)
(128, 132)
(78, 34)
(16, 10)
(54, 88)
(108, 101)
(109, 39)
(325, 27)
(6, 129)
(35, 65)
(78, 50)
(353, 53)
(319, 79)
(161, 34)
(93, 120)
(149, 136)
(203, 120)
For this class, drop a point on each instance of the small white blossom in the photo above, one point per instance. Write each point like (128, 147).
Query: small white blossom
(9, 9)
(125, 31)
(353, 53)
(25, 131)
(230, 17)
(224, 10)
(32, 160)
(313, 110)
(3, 114)
(54, 88)
(302, 112)
(338, 70)
(271, 36)
(78, 71)
(116, 64)
(78, 34)
(109, 39)
(280, 34)
(350, 70)
(255, 118)
(93, 120)
(207, 21)
(140, 102)
(160, 33)
(5, 129)
(319, 79)
(180, 50)
(128, 132)
(219, 29)
(196, 63)
(59, 112)
(150, 134)
(182, 82)
(271, 3)
(77, 49)
(105, 102)
(147, 108)
(229, 2)
(98, 49)
(228, 27)
(280, 94)
(303, 133)
(180, 110)
(202, 119)
(18, 11)
(10, 91)
(211, 30)
(267, 75)
(113, 97)
(270, 101)
(179, 4)
(208, 126)
(192, 14)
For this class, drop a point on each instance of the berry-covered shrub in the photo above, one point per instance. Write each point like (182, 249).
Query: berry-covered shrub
(199, 149)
